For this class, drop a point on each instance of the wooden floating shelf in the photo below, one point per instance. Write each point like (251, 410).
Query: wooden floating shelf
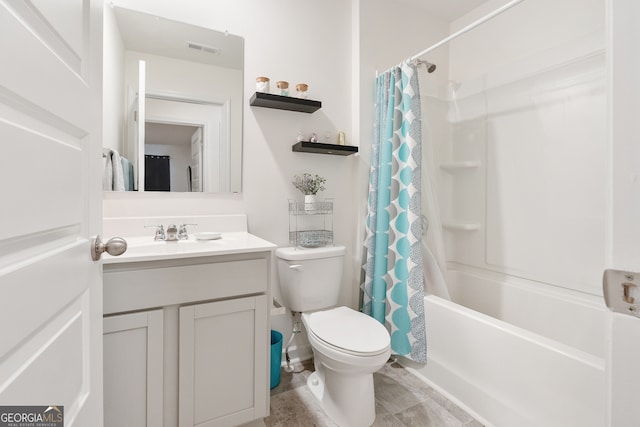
(321, 148)
(279, 102)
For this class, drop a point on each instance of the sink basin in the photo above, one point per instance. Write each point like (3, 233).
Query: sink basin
(144, 248)
(148, 246)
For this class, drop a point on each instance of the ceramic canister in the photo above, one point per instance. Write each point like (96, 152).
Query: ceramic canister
(262, 84)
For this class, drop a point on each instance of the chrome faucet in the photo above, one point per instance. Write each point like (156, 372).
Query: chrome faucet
(182, 231)
(172, 233)
(159, 232)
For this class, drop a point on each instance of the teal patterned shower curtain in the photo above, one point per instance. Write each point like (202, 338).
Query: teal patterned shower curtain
(394, 285)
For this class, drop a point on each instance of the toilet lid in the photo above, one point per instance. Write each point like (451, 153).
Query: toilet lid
(350, 330)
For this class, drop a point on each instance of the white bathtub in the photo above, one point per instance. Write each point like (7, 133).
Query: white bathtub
(517, 353)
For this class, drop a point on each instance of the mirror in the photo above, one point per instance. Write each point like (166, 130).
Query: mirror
(181, 94)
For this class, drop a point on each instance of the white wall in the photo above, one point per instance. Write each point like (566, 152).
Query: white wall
(285, 40)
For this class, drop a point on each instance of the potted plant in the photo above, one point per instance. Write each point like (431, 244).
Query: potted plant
(309, 185)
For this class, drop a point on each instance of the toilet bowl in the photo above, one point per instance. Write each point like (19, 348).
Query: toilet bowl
(348, 346)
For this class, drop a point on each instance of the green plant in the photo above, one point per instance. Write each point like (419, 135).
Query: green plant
(309, 184)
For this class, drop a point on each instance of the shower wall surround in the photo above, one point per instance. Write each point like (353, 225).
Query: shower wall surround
(518, 115)
(522, 146)
(530, 112)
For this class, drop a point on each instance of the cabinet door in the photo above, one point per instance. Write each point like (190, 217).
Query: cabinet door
(223, 362)
(133, 370)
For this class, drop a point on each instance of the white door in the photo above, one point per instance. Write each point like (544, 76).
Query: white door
(50, 134)
(623, 369)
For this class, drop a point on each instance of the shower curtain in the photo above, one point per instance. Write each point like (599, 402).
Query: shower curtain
(394, 284)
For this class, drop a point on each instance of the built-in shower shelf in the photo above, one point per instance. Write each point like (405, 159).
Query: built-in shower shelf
(461, 226)
(453, 167)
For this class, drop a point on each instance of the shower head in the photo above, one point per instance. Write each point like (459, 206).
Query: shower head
(430, 67)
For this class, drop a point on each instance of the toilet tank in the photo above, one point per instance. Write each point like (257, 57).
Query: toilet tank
(310, 278)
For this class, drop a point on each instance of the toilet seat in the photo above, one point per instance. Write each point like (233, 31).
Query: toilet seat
(348, 331)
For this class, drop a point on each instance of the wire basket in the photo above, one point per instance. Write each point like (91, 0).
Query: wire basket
(317, 208)
(311, 238)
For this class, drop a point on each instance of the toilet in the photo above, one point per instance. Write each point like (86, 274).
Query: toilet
(348, 346)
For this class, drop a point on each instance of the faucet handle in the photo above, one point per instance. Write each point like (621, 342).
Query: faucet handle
(182, 231)
(159, 231)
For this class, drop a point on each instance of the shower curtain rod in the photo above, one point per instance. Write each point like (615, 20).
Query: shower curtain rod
(469, 27)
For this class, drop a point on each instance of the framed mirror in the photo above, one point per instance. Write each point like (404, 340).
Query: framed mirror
(180, 110)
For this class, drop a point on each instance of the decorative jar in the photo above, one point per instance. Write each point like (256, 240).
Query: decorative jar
(301, 89)
(283, 87)
(262, 84)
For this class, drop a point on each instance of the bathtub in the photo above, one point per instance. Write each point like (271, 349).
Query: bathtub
(517, 353)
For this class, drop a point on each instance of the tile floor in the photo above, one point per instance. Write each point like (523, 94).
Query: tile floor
(402, 400)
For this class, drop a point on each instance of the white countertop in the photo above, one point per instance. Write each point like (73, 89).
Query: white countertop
(144, 248)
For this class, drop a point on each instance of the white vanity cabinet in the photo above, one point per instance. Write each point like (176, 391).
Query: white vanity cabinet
(133, 369)
(221, 361)
(186, 340)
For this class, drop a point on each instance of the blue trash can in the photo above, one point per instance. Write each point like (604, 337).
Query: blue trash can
(276, 357)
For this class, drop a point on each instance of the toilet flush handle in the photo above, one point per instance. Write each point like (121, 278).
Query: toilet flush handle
(297, 267)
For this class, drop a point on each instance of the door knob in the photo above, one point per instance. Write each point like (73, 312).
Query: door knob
(114, 246)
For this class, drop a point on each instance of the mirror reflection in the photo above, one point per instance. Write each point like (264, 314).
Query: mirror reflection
(182, 105)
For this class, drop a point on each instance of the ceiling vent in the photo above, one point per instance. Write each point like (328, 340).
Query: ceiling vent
(203, 48)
